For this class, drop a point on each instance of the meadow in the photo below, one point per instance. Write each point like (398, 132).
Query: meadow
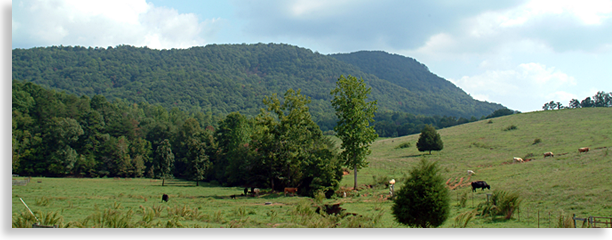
(552, 187)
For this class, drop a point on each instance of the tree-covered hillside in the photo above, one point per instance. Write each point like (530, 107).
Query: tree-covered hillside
(219, 79)
(416, 77)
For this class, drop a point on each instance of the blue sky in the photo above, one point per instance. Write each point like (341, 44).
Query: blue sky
(521, 54)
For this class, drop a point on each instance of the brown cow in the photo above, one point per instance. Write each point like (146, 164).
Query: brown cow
(290, 190)
(584, 149)
(549, 154)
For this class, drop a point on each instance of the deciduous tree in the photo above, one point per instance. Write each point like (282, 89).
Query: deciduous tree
(354, 117)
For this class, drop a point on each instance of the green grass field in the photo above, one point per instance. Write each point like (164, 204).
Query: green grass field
(569, 183)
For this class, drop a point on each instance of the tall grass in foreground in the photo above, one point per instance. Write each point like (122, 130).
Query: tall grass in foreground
(501, 203)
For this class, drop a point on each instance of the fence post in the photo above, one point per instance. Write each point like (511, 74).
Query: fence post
(538, 218)
(574, 217)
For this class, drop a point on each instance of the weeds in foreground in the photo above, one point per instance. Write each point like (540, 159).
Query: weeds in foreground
(26, 219)
(462, 220)
(501, 203)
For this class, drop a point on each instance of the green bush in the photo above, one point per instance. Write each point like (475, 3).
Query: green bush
(403, 145)
(536, 141)
(511, 127)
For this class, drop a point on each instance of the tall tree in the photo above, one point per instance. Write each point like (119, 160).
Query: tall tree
(165, 160)
(429, 140)
(423, 201)
(198, 160)
(232, 137)
(354, 117)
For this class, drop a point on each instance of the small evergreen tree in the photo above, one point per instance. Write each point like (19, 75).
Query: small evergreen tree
(429, 140)
(423, 200)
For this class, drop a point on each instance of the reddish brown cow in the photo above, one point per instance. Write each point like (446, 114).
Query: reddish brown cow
(290, 190)
(549, 154)
(584, 149)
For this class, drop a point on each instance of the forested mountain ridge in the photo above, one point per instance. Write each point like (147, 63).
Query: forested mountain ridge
(219, 79)
(416, 77)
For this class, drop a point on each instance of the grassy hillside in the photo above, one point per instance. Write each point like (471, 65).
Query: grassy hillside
(572, 182)
(569, 183)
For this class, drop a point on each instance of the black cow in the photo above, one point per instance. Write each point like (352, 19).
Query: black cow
(246, 191)
(165, 198)
(480, 184)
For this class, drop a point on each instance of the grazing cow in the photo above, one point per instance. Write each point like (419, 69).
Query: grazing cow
(584, 149)
(165, 198)
(290, 190)
(480, 184)
(246, 191)
(256, 191)
(517, 159)
(549, 154)
(470, 172)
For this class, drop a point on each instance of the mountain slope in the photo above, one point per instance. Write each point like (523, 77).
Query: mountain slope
(414, 76)
(225, 78)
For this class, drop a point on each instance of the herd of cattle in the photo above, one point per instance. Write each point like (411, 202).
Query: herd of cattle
(483, 184)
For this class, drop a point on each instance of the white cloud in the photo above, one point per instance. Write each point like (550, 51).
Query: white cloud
(521, 87)
(107, 23)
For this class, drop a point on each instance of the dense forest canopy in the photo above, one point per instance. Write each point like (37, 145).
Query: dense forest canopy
(219, 79)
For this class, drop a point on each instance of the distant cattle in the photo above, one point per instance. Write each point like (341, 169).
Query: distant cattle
(165, 198)
(470, 172)
(549, 154)
(290, 190)
(246, 191)
(517, 159)
(584, 149)
(480, 184)
(256, 191)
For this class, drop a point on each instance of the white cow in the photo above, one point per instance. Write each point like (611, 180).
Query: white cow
(517, 159)
(470, 172)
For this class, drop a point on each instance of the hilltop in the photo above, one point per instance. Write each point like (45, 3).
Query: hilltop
(219, 79)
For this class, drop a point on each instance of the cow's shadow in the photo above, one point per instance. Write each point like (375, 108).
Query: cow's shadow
(412, 156)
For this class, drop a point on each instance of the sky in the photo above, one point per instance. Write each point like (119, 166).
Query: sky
(521, 54)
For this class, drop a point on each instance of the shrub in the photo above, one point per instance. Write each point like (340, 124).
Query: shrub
(423, 201)
(511, 127)
(403, 145)
(537, 140)
(490, 121)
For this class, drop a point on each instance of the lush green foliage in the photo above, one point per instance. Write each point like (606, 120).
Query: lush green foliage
(423, 201)
(290, 149)
(96, 138)
(219, 79)
(354, 118)
(429, 140)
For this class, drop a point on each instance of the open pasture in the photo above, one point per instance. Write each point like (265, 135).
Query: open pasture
(568, 183)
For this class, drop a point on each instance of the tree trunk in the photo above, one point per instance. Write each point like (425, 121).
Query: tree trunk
(197, 183)
(355, 171)
(163, 180)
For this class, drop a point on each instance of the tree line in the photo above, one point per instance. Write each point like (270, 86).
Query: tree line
(600, 99)
(396, 124)
(59, 134)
